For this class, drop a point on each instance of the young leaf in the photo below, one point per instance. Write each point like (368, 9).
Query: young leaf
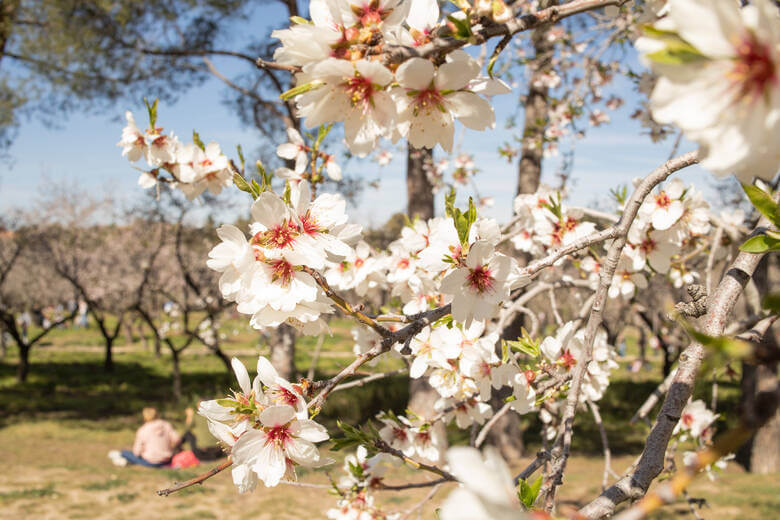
(241, 157)
(242, 185)
(152, 110)
(300, 89)
(760, 244)
(763, 203)
(196, 139)
(528, 492)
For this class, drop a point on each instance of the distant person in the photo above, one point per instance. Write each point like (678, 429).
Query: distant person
(25, 321)
(82, 321)
(156, 442)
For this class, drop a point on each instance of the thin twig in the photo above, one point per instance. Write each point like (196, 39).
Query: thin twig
(594, 409)
(197, 480)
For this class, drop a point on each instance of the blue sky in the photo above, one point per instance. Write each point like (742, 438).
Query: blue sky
(83, 152)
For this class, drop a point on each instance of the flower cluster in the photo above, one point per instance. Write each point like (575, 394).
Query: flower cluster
(193, 167)
(267, 275)
(670, 223)
(342, 78)
(266, 426)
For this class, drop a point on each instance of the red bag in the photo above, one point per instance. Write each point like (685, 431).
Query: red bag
(184, 459)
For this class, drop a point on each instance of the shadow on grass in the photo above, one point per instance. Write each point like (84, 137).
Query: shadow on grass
(82, 390)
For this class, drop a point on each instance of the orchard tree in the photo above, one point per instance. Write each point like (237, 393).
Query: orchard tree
(375, 67)
(27, 284)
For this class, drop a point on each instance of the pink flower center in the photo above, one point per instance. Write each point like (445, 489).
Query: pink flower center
(278, 237)
(360, 90)
(662, 200)
(285, 396)
(567, 359)
(281, 271)
(647, 245)
(687, 419)
(403, 263)
(310, 225)
(424, 437)
(754, 68)
(481, 279)
(429, 97)
(278, 434)
(370, 14)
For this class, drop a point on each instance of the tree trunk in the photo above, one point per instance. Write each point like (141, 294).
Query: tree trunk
(176, 374)
(3, 344)
(536, 109)
(157, 346)
(283, 351)
(419, 190)
(761, 454)
(108, 362)
(24, 363)
(419, 203)
(507, 433)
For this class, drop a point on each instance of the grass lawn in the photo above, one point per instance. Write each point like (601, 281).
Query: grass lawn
(56, 429)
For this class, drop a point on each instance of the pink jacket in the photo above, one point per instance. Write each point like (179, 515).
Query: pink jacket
(155, 441)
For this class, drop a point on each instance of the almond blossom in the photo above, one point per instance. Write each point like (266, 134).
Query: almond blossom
(430, 99)
(480, 285)
(719, 68)
(353, 93)
(277, 442)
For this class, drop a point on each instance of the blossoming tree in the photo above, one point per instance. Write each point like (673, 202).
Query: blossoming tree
(392, 69)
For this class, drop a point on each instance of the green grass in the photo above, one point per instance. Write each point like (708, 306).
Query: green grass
(28, 493)
(103, 485)
(57, 427)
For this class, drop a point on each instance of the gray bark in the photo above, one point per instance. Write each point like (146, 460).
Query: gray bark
(283, 351)
(536, 109)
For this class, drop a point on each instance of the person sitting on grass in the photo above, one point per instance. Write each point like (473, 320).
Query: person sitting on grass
(155, 444)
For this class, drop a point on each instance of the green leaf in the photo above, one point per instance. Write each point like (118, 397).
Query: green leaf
(729, 348)
(242, 185)
(297, 20)
(760, 244)
(257, 187)
(227, 403)
(241, 157)
(321, 134)
(462, 28)
(196, 139)
(529, 492)
(677, 51)
(449, 202)
(763, 203)
(525, 344)
(300, 89)
(152, 110)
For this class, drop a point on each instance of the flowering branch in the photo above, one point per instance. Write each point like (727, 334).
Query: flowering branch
(650, 464)
(619, 232)
(404, 335)
(444, 44)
